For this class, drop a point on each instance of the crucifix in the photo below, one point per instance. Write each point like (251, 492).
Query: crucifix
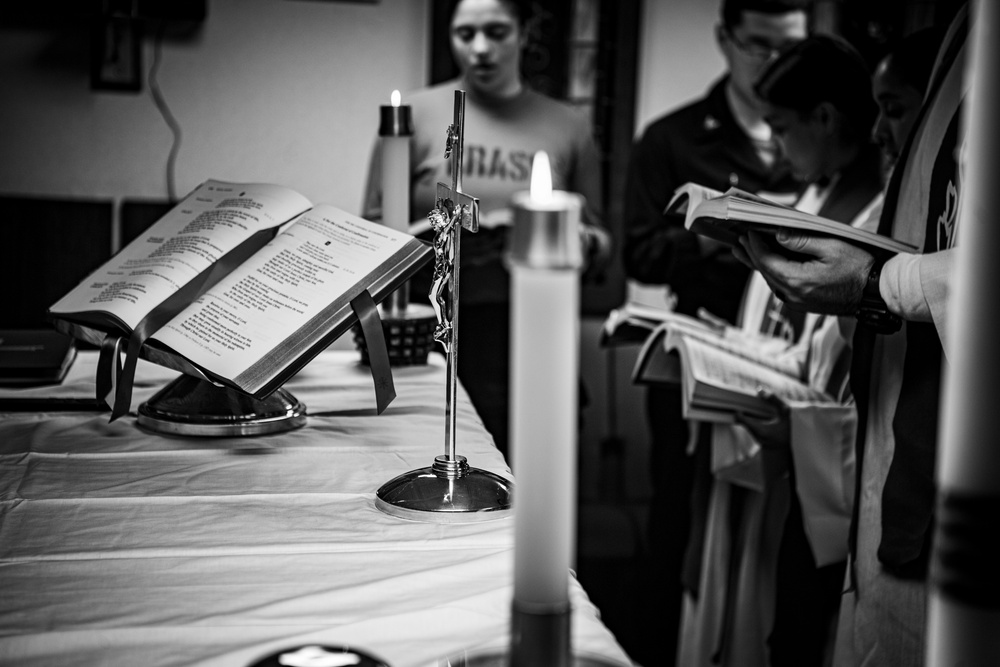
(454, 211)
(449, 491)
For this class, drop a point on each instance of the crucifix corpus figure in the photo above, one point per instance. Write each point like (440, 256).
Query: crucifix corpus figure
(444, 263)
(453, 210)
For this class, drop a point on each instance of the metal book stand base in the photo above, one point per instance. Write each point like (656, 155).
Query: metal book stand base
(189, 406)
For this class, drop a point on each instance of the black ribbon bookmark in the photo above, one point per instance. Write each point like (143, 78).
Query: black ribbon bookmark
(371, 327)
(109, 370)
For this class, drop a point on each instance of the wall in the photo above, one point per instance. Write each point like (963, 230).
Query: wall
(678, 55)
(282, 91)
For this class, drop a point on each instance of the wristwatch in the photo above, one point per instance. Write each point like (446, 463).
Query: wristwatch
(872, 311)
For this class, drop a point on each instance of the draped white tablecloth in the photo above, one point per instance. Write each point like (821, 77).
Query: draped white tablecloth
(123, 547)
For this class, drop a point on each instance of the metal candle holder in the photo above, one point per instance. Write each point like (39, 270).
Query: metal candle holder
(449, 491)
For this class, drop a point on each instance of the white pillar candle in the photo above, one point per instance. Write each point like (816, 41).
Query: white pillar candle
(395, 130)
(544, 259)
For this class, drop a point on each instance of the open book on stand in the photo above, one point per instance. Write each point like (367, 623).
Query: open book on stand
(725, 216)
(241, 284)
(721, 371)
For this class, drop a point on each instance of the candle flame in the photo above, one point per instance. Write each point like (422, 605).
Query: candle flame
(395, 98)
(541, 177)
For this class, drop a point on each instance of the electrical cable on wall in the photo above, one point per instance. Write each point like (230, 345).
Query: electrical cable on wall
(168, 116)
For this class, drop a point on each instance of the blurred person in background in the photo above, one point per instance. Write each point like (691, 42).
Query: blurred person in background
(506, 123)
(718, 141)
(776, 540)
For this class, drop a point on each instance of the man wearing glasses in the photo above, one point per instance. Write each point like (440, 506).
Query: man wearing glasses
(718, 141)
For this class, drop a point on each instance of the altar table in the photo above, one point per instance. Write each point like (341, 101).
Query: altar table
(124, 547)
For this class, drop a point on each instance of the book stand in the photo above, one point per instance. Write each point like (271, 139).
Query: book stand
(449, 491)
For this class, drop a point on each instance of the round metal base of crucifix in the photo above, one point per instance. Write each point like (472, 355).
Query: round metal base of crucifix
(192, 407)
(450, 491)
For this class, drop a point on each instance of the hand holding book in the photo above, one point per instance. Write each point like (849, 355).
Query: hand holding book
(775, 432)
(825, 275)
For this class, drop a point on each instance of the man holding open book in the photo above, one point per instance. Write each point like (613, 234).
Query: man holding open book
(720, 140)
(901, 307)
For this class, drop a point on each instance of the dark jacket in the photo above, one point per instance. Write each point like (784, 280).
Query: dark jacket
(701, 143)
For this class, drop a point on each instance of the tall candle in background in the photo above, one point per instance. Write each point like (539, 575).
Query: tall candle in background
(395, 130)
(544, 259)
(963, 613)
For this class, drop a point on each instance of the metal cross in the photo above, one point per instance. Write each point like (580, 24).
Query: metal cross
(454, 210)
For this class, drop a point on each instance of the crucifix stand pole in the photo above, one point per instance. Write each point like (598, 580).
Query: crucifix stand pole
(468, 215)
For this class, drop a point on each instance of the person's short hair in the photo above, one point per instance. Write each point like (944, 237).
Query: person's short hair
(913, 56)
(821, 68)
(732, 10)
(523, 10)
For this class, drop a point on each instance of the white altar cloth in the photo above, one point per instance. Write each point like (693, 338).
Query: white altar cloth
(123, 547)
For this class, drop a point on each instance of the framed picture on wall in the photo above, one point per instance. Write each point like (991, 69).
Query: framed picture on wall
(116, 53)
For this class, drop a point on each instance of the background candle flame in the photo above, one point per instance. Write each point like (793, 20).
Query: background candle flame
(395, 98)
(541, 178)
